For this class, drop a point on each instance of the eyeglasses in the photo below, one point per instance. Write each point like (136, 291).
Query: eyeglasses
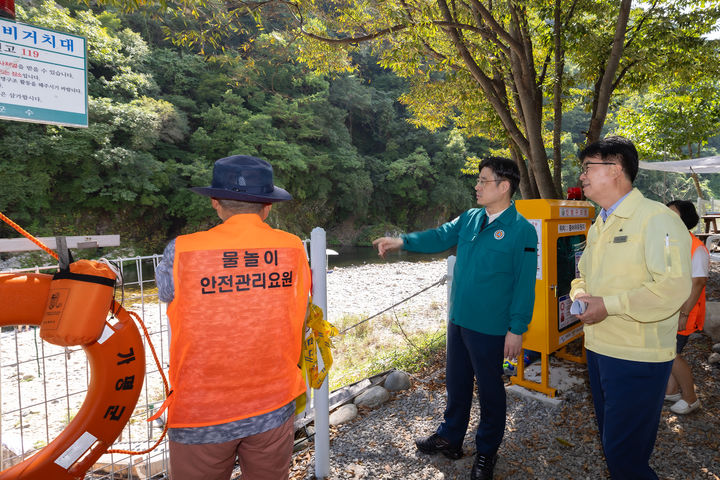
(584, 166)
(497, 180)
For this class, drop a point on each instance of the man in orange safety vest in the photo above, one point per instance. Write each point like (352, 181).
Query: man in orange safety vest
(238, 295)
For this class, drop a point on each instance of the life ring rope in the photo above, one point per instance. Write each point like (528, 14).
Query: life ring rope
(29, 236)
(139, 321)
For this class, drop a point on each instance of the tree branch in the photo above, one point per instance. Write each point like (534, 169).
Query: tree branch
(495, 26)
(565, 24)
(622, 74)
(636, 29)
(501, 108)
(557, 96)
(390, 30)
(607, 79)
(488, 33)
(543, 72)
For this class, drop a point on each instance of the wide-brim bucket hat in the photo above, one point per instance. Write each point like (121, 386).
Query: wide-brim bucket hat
(245, 178)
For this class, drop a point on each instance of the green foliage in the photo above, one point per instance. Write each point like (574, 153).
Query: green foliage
(161, 115)
(672, 121)
(489, 67)
(377, 345)
(355, 158)
(486, 68)
(414, 358)
(86, 176)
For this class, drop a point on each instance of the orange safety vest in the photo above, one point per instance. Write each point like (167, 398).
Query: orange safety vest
(696, 318)
(241, 293)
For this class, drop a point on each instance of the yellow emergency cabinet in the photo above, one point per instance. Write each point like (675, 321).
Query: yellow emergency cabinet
(561, 227)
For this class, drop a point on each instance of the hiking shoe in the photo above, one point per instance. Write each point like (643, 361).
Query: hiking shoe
(681, 407)
(483, 467)
(673, 397)
(437, 444)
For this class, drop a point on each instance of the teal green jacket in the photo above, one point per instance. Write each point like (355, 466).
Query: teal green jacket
(493, 287)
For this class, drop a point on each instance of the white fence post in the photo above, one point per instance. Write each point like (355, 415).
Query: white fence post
(450, 268)
(321, 402)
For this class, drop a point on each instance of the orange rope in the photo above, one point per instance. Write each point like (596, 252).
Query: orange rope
(134, 315)
(27, 235)
(165, 383)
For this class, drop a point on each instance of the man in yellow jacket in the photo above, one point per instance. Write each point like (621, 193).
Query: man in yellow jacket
(238, 295)
(634, 276)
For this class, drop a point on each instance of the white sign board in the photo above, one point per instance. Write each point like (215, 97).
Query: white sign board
(574, 212)
(567, 336)
(571, 227)
(537, 223)
(43, 75)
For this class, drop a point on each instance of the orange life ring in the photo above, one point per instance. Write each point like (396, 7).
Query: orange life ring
(117, 369)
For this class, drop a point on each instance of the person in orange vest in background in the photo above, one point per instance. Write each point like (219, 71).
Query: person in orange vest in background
(681, 386)
(238, 296)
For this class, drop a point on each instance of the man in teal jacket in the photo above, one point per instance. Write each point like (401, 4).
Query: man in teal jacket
(491, 305)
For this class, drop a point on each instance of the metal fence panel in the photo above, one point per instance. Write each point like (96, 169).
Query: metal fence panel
(44, 385)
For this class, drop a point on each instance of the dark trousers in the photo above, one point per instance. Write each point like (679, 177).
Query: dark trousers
(628, 398)
(474, 356)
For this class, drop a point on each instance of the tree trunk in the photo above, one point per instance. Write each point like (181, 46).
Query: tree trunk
(557, 99)
(530, 99)
(534, 191)
(528, 189)
(697, 185)
(605, 87)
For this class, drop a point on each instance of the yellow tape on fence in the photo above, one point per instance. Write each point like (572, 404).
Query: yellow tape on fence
(318, 332)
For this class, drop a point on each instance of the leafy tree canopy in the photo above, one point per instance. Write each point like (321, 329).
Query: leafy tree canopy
(500, 69)
(160, 115)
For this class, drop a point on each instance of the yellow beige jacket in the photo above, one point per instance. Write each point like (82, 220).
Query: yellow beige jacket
(638, 262)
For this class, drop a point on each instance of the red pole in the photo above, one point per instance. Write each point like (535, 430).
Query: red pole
(7, 9)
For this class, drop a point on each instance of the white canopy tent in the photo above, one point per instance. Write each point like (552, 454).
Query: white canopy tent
(694, 165)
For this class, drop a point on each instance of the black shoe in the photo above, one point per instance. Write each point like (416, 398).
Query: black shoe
(437, 444)
(483, 467)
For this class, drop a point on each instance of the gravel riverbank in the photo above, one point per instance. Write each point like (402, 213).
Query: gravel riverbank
(367, 289)
(541, 441)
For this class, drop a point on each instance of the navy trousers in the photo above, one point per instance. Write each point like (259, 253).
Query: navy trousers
(628, 398)
(474, 356)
